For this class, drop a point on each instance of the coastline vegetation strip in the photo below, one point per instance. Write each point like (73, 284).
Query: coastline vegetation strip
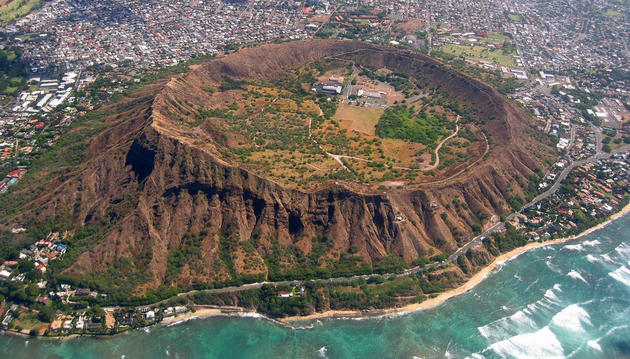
(424, 302)
(468, 285)
(378, 290)
(202, 312)
(430, 303)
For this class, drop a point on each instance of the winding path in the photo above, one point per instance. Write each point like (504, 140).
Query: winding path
(339, 158)
(437, 149)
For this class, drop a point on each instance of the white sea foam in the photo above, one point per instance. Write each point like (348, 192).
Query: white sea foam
(540, 344)
(549, 294)
(582, 246)
(518, 322)
(572, 318)
(247, 315)
(523, 321)
(594, 345)
(531, 285)
(591, 258)
(553, 267)
(614, 329)
(622, 275)
(592, 243)
(576, 275)
(574, 247)
(607, 258)
(623, 250)
(322, 352)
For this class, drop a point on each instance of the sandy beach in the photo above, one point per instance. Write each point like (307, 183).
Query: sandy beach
(199, 312)
(468, 285)
(205, 312)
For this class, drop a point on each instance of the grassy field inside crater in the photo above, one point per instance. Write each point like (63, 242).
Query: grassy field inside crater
(283, 131)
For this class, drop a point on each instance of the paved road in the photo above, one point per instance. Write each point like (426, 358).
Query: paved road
(596, 157)
(474, 243)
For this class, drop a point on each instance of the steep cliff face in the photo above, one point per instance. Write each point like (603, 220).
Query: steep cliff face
(163, 198)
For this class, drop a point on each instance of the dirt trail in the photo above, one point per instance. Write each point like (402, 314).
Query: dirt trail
(339, 157)
(437, 149)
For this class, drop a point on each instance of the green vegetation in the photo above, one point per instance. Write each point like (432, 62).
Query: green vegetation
(514, 17)
(400, 80)
(189, 250)
(613, 14)
(399, 122)
(376, 292)
(15, 9)
(231, 84)
(12, 72)
(508, 241)
(494, 78)
(503, 57)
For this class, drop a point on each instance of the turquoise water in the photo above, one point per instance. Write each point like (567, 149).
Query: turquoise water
(569, 300)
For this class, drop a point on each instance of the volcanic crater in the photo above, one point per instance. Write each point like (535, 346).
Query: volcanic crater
(237, 167)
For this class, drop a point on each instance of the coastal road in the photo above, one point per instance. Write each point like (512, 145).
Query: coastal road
(474, 243)
(596, 157)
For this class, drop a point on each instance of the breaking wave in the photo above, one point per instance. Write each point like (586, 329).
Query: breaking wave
(524, 320)
(582, 246)
(576, 275)
(572, 319)
(622, 275)
(540, 344)
(623, 250)
(594, 344)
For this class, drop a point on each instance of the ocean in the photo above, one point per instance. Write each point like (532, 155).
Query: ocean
(569, 300)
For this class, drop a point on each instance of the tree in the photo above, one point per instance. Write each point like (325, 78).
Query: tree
(46, 315)
(25, 266)
(463, 264)
(579, 216)
(96, 311)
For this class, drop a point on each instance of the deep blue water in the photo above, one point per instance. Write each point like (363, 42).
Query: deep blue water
(569, 300)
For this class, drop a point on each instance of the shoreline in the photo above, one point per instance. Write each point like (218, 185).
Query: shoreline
(199, 313)
(465, 287)
(203, 312)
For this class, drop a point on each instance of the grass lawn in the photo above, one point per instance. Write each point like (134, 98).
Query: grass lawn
(15, 9)
(11, 91)
(361, 22)
(498, 36)
(480, 53)
(613, 13)
(360, 119)
(28, 321)
(515, 17)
